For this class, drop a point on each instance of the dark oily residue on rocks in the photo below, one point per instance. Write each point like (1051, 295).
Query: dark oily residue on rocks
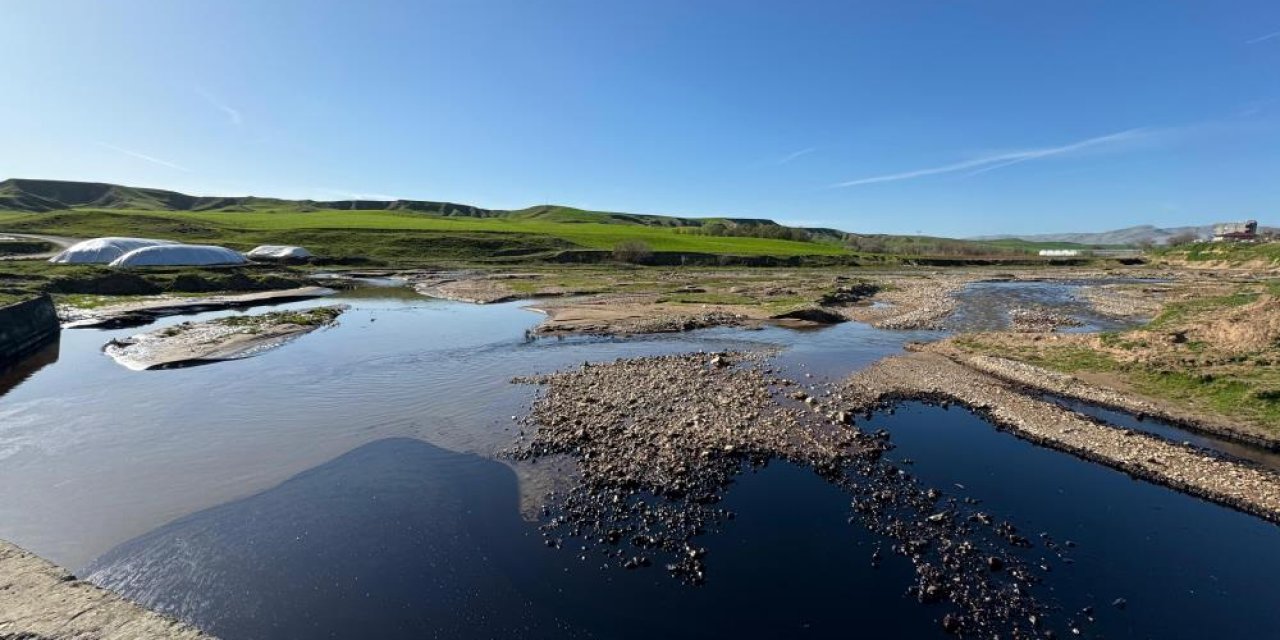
(658, 440)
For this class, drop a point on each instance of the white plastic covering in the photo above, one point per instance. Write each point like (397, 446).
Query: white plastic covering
(278, 252)
(103, 250)
(178, 255)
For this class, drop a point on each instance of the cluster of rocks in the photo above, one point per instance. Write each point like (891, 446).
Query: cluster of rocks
(656, 442)
(913, 302)
(1040, 320)
(1124, 301)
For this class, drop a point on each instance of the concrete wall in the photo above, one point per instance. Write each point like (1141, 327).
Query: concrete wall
(26, 326)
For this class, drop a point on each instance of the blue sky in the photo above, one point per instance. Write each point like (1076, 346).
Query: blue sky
(950, 117)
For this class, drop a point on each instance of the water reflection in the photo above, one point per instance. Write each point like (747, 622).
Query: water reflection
(14, 374)
(1186, 567)
(401, 539)
(92, 454)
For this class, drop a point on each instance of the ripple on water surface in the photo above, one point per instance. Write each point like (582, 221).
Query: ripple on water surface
(288, 478)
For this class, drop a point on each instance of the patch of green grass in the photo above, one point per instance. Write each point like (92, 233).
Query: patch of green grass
(316, 317)
(396, 234)
(1252, 396)
(1229, 252)
(706, 298)
(1117, 340)
(1178, 313)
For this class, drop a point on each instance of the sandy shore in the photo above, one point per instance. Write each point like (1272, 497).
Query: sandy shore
(39, 600)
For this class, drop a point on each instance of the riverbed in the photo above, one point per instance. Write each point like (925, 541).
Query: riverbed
(349, 484)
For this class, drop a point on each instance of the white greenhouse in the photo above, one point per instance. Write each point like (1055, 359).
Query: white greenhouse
(279, 252)
(179, 255)
(103, 250)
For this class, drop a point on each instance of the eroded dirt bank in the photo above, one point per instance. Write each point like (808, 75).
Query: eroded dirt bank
(930, 376)
(39, 600)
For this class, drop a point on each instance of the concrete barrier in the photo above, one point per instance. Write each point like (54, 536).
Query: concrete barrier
(25, 327)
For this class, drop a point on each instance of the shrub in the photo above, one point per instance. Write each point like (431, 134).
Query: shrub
(634, 251)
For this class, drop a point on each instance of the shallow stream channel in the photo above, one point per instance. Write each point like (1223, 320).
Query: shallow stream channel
(350, 484)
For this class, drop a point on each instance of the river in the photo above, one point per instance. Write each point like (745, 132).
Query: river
(348, 485)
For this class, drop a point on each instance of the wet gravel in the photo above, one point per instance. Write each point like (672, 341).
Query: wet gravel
(1040, 320)
(930, 376)
(657, 441)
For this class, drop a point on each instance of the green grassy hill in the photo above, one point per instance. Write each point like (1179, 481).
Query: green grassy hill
(425, 232)
(394, 236)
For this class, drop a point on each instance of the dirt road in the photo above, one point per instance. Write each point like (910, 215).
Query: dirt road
(59, 243)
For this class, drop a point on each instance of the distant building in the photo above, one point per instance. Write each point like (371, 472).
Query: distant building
(1060, 253)
(1246, 231)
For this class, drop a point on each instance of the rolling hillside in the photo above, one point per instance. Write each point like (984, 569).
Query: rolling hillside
(42, 196)
(405, 231)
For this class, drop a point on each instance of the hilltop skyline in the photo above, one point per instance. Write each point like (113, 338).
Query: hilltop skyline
(939, 118)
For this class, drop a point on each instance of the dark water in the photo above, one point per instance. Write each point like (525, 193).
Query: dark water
(345, 486)
(17, 373)
(93, 454)
(1187, 568)
(1256, 455)
(401, 539)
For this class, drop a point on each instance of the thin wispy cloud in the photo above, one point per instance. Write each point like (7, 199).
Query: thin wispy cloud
(998, 161)
(795, 154)
(1269, 36)
(232, 114)
(143, 156)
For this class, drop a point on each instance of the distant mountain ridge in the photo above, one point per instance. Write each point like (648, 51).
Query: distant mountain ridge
(1127, 235)
(40, 196)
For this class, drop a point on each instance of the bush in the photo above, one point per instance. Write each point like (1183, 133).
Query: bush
(634, 251)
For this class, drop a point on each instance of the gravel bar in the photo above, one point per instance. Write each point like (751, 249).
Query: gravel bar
(930, 376)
